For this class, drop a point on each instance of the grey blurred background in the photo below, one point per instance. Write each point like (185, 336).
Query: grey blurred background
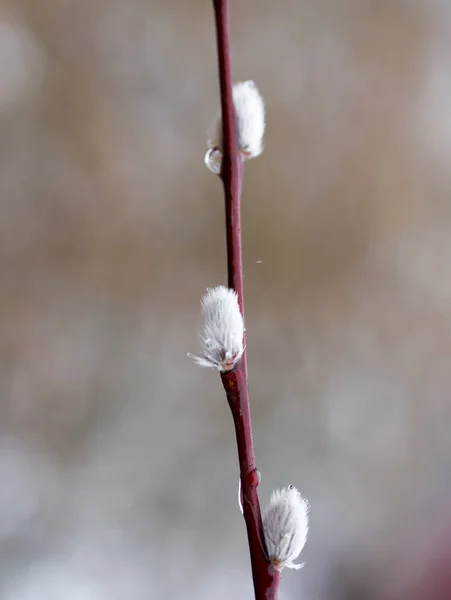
(118, 470)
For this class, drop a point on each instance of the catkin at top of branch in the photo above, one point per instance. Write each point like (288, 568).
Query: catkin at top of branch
(250, 126)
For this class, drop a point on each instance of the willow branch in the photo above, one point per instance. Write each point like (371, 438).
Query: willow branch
(265, 577)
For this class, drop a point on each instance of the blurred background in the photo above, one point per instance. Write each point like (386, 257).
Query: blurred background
(118, 469)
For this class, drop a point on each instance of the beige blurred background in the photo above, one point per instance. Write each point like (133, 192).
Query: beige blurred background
(118, 471)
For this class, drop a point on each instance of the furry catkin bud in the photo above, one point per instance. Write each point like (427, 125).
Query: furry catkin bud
(285, 525)
(250, 125)
(222, 332)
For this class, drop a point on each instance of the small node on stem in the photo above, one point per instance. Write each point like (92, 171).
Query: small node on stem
(285, 526)
(255, 479)
(222, 332)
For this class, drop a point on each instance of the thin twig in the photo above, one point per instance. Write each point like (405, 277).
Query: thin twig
(266, 579)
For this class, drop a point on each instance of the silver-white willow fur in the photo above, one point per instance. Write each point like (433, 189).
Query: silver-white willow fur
(221, 337)
(285, 525)
(250, 120)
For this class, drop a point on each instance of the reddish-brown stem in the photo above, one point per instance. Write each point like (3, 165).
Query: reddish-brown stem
(265, 578)
(232, 164)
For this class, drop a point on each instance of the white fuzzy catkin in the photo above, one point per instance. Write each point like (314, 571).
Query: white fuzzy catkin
(285, 525)
(222, 332)
(250, 120)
